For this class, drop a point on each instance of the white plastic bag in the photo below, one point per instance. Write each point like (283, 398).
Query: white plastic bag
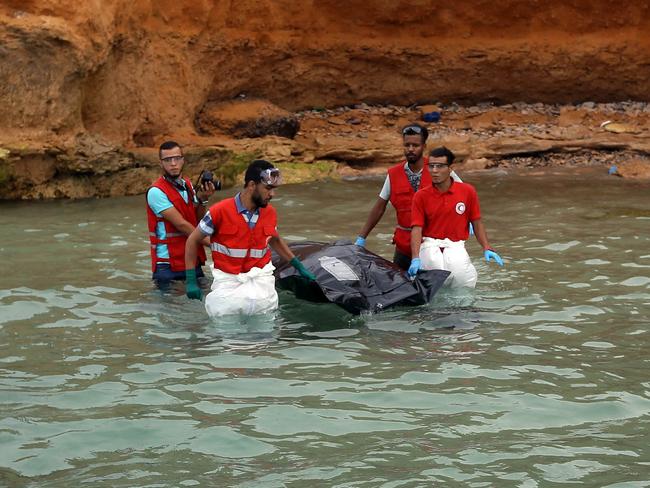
(245, 293)
(450, 256)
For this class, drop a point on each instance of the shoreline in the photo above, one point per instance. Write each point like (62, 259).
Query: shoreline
(342, 142)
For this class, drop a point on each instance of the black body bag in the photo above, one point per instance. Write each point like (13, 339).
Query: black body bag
(354, 278)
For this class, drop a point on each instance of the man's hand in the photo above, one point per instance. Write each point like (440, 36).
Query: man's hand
(304, 272)
(415, 266)
(490, 254)
(361, 241)
(192, 289)
(205, 191)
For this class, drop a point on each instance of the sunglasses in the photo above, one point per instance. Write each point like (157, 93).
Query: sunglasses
(173, 159)
(271, 177)
(438, 165)
(411, 130)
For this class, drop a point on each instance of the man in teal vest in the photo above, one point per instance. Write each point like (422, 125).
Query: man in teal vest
(174, 208)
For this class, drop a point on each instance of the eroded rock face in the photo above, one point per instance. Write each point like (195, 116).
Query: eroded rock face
(129, 68)
(136, 73)
(246, 118)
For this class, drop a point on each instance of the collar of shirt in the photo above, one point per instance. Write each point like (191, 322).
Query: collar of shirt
(408, 170)
(448, 190)
(243, 210)
(178, 183)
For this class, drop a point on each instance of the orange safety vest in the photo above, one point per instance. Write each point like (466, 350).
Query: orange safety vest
(401, 197)
(236, 248)
(174, 239)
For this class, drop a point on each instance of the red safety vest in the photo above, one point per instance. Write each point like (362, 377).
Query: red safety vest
(236, 248)
(174, 239)
(401, 197)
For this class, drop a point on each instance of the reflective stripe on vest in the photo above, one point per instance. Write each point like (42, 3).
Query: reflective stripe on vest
(238, 253)
(170, 234)
(403, 228)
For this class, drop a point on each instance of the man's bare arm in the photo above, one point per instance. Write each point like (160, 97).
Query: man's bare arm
(416, 241)
(375, 215)
(280, 246)
(194, 240)
(175, 218)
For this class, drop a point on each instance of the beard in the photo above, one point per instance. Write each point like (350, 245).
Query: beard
(412, 158)
(171, 176)
(257, 200)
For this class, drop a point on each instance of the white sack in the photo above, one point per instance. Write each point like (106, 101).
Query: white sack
(454, 259)
(246, 293)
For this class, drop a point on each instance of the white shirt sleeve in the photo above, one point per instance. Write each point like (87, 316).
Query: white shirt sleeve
(384, 194)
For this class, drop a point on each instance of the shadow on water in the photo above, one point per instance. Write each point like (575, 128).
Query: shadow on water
(450, 310)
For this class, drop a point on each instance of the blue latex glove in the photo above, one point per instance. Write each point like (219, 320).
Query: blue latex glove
(490, 254)
(414, 267)
(304, 272)
(361, 242)
(192, 289)
(471, 229)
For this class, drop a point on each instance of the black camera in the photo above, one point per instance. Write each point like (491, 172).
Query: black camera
(207, 177)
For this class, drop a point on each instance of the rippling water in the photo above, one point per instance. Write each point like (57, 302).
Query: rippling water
(539, 377)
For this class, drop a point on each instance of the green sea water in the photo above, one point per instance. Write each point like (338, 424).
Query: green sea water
(538, 377)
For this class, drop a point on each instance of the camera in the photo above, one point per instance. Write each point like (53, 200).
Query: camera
(207, 177)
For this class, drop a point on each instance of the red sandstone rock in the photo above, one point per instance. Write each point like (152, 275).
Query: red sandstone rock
(636, 168)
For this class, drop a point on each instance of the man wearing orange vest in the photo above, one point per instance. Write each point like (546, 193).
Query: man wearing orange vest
(174, 208)
(402, 181)
(241, 230)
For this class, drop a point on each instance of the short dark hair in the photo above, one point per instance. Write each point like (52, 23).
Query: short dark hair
(255, 169)
(442, 151)
(166, 146)
(416, 130)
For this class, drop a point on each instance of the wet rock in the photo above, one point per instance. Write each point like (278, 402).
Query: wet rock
(246, 118)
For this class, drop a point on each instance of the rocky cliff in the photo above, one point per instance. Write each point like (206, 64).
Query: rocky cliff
(126, 74)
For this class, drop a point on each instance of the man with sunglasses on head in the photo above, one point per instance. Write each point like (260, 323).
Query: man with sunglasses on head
(440, 216)
(174, 208)
(402, 181)
(241, 230)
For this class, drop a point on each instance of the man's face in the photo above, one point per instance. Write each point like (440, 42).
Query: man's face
(439, 169)
(262, 194)
(413, 148)
(171, 161)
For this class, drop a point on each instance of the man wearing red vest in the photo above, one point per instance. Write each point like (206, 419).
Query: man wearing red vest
(173, 211)
(241, 229)
(402, 181)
